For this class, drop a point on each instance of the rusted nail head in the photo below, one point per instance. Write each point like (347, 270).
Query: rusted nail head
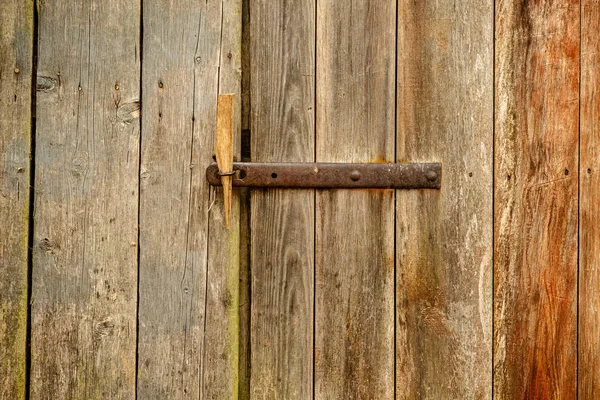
(355, 175)
(431, 175)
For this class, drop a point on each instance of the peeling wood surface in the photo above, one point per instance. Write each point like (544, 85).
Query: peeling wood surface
(354, 262)
(188, 280)
(282, 221)
(16, 44)
(589, 212)
(86, 201)
(536, 199)
(444, 238)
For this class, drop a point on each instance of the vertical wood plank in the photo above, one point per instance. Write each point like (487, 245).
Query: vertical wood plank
(86, 201)
(181, 47)
(282, 249)
(444, 237)
(188, 293)
(536, 199)
(354, 332)
(16, 44)
(589, 234)
(221, 342)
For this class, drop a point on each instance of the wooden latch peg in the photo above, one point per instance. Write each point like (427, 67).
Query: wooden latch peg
(224, 149)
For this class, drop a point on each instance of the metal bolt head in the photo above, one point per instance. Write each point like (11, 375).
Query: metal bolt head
(355, 175)
(431, 175)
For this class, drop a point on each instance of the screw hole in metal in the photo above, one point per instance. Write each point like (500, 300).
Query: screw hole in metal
(243, 174)
(273, 175)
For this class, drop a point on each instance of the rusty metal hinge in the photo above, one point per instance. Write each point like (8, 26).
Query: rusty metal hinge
(331, 175)
(226, 173)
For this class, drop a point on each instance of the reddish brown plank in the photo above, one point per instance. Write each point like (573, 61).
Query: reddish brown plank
(536, 199)
(589, 213)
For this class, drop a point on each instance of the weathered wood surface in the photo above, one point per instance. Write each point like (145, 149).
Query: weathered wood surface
(589, 212)
(326, 271)
(221, 341)
(188, 281)
(444, 237)
(282, 249)
(354, 325)
(536, 199)
(86, 201)
(16, 44)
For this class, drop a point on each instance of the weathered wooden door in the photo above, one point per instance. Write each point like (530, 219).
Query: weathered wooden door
(371, 293)
(118, 278)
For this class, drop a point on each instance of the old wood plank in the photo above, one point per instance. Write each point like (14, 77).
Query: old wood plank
(86, 201)
(185, 349)
(444, 238)
(221, 342)
(589, 192)
(16, 44)
(354, 332)
(179, 86)
(536, 199)
(282, 221)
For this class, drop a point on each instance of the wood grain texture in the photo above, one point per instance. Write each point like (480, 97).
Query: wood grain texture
(444, 237)
(86, 201)
(221, 340)
(354, 332)
(187, 329)
(589, 212)
(282, 220)
(224, 148)
(16, 44)
(181, 57)
(536, 199)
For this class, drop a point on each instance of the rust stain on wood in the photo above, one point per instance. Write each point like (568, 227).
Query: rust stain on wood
(589, 192)
(536, 216)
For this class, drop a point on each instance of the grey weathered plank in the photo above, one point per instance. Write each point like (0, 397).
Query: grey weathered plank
(536, 199)
(589, 192)
(444, 238)
(354, 332)
(188, 331)
(181, 55)
(282, 221)
(16, 44)
(86, 201)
